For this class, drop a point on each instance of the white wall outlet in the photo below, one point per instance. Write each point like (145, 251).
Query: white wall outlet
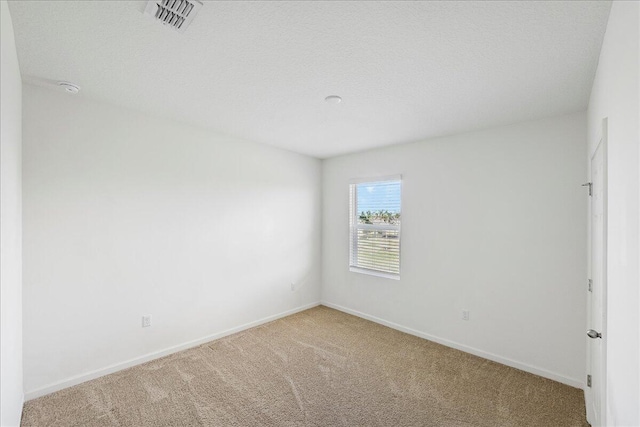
(465, 314)
(146, 321)
(293, 286)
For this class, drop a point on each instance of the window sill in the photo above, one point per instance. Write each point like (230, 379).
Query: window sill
(375, 273)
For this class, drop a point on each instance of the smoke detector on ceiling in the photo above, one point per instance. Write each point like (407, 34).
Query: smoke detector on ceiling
(69, 87)
(333, 99)
(176, 14)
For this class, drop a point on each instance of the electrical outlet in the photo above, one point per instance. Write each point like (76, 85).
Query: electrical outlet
(146, 321)
(465, 314)
(293, 286)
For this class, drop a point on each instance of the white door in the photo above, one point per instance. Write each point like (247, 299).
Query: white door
(595, 394)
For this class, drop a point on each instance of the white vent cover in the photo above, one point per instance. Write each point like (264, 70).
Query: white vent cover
(177, 14)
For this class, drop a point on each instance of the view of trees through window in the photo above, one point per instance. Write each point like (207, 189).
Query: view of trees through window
(379, 217)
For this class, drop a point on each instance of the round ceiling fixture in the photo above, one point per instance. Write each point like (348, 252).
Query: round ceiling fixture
(333, 99)
(69, 87)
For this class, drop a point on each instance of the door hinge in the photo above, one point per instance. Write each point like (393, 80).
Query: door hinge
(590, 285)
(590, 185)
(588, 380)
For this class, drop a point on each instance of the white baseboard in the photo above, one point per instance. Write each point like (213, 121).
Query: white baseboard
(78, 379)
(490, 356)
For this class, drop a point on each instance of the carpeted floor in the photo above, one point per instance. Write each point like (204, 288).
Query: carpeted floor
(319, 367)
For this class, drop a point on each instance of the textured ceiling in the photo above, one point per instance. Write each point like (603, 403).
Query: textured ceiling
(261, 70)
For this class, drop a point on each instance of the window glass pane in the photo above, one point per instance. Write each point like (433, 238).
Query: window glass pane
(378, 202)
(375, 226)
(379, 250)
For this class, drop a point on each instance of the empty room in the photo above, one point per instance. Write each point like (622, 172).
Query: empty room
(320, 213)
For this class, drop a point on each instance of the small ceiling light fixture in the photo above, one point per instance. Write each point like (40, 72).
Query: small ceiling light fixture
(333, 99)
(69, 87)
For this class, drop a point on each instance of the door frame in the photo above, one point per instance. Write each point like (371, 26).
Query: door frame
(602, 143)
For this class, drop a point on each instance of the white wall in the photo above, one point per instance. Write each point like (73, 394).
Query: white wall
(616, 94)
(11, 392)
(127, 214)
(493, 222)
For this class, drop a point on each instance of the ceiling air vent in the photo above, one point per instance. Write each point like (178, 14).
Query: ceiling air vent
(176, 14)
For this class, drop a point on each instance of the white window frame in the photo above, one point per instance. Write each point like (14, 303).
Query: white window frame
(354, 227)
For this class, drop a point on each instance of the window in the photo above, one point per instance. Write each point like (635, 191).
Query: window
(375, 227)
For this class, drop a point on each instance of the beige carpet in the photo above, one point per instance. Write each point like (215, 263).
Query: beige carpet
(319, 367)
